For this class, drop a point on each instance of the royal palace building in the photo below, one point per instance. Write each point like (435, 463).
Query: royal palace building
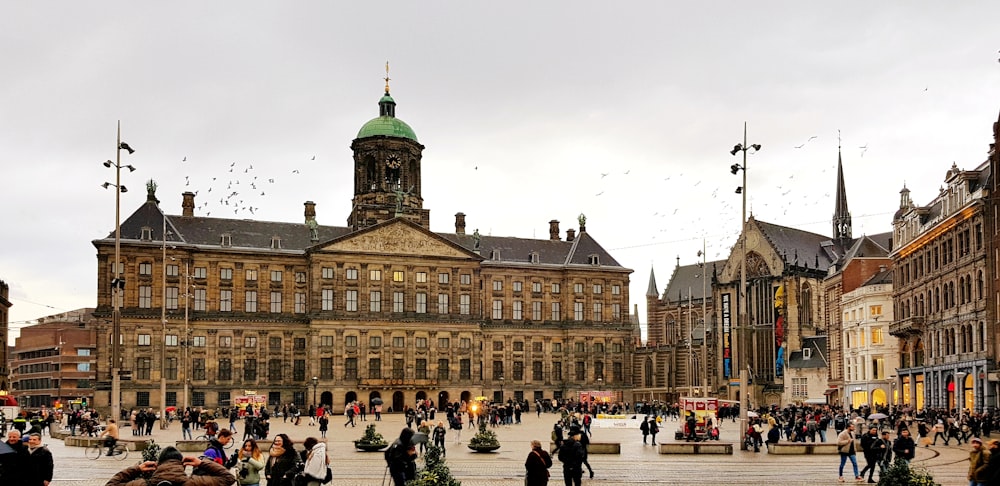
(382, 307)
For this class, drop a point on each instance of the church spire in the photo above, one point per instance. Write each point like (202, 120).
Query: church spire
(651, 291)
(841, 215)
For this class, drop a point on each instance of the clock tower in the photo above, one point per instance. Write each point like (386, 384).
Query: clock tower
(387, 170)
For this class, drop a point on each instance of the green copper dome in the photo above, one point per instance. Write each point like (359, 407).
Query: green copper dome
(387, 124)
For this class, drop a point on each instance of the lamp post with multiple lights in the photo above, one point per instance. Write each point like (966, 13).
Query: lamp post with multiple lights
(118, 282)
(738, 347)
(315, 383)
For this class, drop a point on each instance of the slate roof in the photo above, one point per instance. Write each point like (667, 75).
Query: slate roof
(817, 359)
(883, 277)
(797, 247)
(688, 279)
(253, 235)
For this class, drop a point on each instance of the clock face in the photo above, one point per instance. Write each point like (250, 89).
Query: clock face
(392, 162)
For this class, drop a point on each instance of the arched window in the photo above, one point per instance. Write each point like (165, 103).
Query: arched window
(918, 353)
(904, 354)
(648, 373)
(979, 286)
(806, 315)
(961, 290)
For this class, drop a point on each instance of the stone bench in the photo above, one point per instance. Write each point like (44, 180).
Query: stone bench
(597, 447)
(87, 441)
(708, 447)
(201, 445)
(800, 448)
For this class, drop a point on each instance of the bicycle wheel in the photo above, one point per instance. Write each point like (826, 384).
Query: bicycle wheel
(202, 437)
(93, 452)
(121, 452)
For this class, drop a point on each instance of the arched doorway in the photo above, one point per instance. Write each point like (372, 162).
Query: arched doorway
(443, 400)
(397, 401)
(969, 400)
(350, 397)
(326, 398)
(878, 397)
(421, 396)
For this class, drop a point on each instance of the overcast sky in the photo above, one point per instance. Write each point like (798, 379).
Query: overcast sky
(529, 111)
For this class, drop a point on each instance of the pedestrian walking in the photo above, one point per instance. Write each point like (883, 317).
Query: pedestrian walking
(846, 447)
(324, 425)
(644, 427)
(572, 455)
(654, 428)
(439, 433)
(872, 454)
(979, 459)
(537, 466)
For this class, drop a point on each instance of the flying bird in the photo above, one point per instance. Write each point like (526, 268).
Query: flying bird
(296, 171)
(598, 194)
(800, 146)
(313, 158)
(812, 137)
(627, 171)
(185, 159)
(604, 174)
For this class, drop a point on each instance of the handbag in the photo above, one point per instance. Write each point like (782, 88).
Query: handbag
(329, 475)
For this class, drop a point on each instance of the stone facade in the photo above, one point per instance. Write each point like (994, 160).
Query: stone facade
(941, 295)
(382, 308)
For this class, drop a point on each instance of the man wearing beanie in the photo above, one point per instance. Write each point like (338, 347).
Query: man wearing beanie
(169, 467)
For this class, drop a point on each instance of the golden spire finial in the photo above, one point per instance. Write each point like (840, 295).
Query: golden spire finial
(387, 77)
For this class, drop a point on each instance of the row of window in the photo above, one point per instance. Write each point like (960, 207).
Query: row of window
(351, 341)
(943, 297)
(419, 304)
(941, 254)
(555, 287)
(276, 367)
(856, 370)
(856, 339)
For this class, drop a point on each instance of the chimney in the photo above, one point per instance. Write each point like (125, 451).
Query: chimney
(310, 210)
(570, 234)
(459, 223)
(554, 229)
(187, 207)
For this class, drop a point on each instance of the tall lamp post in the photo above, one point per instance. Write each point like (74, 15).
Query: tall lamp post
(315, 383)
(704, 316)
(501, 388)
(743, 304)
(117, 282)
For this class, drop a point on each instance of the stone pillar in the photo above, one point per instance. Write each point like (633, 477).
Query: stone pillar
(960, 390)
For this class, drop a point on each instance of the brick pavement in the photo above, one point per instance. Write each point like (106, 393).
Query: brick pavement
(637, 464)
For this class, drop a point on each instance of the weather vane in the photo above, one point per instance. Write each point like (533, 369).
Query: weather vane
(387, 77)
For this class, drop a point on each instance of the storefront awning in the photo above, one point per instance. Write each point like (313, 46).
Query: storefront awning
(830, 391)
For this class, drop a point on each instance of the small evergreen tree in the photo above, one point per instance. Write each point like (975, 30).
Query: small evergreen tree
(151, 452)
(435, 471)
(484, 438)
(901, 474)
(371, 437)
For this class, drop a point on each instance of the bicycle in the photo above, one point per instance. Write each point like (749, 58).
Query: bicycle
(94, 452)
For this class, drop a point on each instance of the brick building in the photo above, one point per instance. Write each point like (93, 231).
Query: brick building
(54, 361)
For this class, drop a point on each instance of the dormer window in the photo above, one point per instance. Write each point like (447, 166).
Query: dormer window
(534, 257)
(147, 233)
(594, 259)
(275, 242)
(227, 239)
(806, 353)
(495, 255)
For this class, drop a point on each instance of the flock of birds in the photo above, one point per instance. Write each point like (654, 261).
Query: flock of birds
(242, 191)
(688, 211)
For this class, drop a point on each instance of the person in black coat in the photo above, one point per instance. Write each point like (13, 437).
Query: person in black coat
(39, 463)
(12, 470)
(904, 447)
(572, 455)
(281, 459)
(401, 458)
(537, 466)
